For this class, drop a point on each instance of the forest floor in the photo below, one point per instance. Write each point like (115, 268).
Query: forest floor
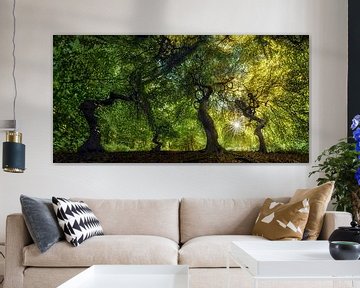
(180, 157)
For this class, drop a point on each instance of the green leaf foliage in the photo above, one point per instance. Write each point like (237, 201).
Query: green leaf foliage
(339, 163)
(160, 83)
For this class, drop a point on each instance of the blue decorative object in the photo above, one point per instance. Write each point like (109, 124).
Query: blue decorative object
(356, 134)
(357, 147)
(355, 122)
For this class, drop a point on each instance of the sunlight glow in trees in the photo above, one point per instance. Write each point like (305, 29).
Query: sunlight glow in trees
(236, 126)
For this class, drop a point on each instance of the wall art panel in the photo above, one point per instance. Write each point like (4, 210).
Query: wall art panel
(181, 98)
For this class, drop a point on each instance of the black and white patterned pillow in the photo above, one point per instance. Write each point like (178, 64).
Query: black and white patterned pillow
(77, 220)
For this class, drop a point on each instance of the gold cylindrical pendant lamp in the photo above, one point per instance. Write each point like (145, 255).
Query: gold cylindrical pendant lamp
(13, 150)
(13, 153)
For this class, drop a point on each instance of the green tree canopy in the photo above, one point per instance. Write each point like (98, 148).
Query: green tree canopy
(210, 93)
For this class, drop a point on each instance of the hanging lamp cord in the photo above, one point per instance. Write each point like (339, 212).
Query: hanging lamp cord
(14, 61)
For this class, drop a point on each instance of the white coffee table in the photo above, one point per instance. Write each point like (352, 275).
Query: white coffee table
(300, 260)
(131, 276)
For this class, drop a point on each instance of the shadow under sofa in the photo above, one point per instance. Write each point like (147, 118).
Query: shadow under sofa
(194, 232)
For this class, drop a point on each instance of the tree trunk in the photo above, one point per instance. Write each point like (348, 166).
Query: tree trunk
(212, 144)
(145, 106)
(259, 134)
(88, 108)
(157, 143)
(249, 113)
(92, 144)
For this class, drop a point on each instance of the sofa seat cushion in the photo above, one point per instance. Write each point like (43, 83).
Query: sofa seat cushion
(107, 249)
(211, 251)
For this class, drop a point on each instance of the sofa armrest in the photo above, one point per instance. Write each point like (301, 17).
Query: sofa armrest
(17, 237)
(332, 220)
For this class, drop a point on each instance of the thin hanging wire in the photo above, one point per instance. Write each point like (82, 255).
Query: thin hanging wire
(14, 61)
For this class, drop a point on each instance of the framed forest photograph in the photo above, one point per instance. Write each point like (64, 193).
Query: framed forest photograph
(181, 98)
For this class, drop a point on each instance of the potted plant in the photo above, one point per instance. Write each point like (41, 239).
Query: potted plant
(341, 163)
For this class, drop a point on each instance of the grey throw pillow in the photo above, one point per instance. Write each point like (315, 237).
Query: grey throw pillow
(41, 221)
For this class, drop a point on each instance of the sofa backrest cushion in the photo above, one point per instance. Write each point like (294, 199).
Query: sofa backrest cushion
(159, 217)
(200, 217)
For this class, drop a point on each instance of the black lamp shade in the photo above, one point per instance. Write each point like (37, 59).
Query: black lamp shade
(13, 157)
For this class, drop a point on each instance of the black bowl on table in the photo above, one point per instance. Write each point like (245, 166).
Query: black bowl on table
(344, 250)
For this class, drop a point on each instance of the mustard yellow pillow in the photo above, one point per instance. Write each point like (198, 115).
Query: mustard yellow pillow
(319, 198)
(279, 221)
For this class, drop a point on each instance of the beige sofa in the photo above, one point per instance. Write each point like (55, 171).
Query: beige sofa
(194, 232)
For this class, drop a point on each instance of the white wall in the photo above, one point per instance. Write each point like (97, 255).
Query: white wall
(38, 20)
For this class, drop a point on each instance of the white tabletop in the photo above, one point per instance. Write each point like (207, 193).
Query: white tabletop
(291, 259)
(131, 276)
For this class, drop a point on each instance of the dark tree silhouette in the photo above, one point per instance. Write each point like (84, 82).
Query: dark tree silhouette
(88, 108)
(212, 143)
(248, 109)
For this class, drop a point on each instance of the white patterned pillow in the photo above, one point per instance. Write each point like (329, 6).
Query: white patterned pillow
(77, 220)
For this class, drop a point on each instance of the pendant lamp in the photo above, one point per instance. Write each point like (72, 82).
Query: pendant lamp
(13, 150)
